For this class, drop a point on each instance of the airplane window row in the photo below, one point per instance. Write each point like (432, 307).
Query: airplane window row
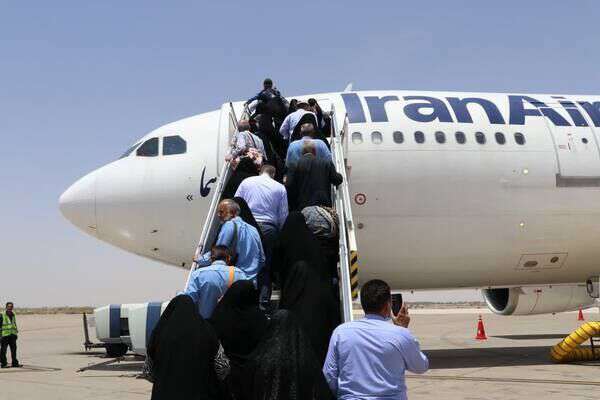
(440, 137)
(171, 145)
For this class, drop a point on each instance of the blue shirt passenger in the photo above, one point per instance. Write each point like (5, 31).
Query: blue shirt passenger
(208, 284)
(367, 358)
(249, 255)
(294, 152)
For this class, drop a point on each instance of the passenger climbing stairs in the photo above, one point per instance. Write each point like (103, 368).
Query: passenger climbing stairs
(348, 249)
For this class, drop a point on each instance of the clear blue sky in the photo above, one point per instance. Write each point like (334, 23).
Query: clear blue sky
(80, 81)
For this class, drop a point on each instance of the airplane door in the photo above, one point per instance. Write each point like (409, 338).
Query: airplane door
(227, 129)
(577, 151)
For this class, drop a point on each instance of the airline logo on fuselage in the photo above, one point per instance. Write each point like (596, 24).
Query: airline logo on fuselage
(205, 189)
(428, 109)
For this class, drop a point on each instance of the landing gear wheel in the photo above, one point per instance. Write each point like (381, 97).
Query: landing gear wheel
(116, 349)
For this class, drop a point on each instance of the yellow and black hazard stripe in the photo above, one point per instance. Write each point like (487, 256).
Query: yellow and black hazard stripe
(354, 274)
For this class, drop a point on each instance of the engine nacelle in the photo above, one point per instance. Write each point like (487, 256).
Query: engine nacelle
(530, 300)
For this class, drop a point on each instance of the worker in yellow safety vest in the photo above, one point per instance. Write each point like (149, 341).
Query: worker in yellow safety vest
(8, 327)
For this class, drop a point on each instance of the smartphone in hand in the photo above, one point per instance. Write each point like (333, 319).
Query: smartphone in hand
(396, 303)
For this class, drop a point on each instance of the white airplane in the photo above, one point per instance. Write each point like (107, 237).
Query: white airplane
(450, 190)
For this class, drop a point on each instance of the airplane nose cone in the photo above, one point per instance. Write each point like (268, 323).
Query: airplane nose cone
(78, 204)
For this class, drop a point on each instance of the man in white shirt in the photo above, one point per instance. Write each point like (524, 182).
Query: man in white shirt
(289, 123)
(268, 202)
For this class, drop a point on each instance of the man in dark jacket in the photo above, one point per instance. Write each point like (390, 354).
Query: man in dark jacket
(270, 102)
(309, 181)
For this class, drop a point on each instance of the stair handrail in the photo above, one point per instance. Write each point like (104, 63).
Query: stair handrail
(350, 227)
(344, 215)
(211, 216)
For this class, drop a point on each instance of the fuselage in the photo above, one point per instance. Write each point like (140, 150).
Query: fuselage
(450, 189)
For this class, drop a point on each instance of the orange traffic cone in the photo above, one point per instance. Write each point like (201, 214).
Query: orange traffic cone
(580, 316)
(480, 330)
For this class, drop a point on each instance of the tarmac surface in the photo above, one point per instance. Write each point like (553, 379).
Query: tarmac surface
(512, 364)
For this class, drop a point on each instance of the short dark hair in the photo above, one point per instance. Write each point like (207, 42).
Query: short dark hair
(269, 169)
(9, 303)
(374, 295)
(220, 252)
(268, 82)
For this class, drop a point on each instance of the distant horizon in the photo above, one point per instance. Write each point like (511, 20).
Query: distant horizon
(75, 309)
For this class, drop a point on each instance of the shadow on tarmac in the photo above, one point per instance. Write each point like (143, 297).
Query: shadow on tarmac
(533, 337)
(121, 367)
(488, 357)
(29, 368)
(85, 353)
(131, 363)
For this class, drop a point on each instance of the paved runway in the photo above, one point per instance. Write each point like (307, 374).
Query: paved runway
(512, 364)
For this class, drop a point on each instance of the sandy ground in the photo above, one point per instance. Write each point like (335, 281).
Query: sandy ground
(512, 364)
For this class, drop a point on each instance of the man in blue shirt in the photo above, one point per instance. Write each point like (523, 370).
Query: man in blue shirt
(208, 284)
(241, 238)
(294, 152)
(367, 358)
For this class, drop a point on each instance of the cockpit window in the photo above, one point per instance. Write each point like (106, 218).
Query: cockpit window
(129, 150)
(174, 145)
(149, 148)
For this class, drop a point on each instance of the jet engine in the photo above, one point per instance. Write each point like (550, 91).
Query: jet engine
(531, 300)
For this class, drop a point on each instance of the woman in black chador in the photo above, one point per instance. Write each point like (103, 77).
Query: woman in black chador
(244, 169)
(240, 326)
(310, 299)
(185, 355)
(283, 366)
(297, 243)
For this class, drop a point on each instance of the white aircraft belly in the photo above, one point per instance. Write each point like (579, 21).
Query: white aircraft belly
(435, 219)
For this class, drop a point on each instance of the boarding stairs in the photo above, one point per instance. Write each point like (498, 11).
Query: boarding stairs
(348, 250)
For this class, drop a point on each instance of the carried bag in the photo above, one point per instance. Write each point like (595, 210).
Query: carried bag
(321, 221)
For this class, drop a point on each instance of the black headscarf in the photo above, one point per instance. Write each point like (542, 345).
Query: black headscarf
(183, 348)
(297, 243)
(283, 366)
(304, 292)
(308, 118)
(238, 321)
(245, 169)
(247, 216)
(293, 106)
(246, 213)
